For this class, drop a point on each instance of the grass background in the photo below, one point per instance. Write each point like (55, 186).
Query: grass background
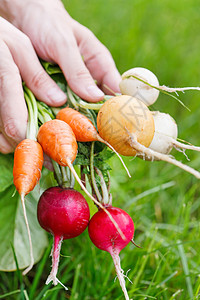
(163, 201)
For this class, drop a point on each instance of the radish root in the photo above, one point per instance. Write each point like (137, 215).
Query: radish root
(55, 253)
(133, 242)
(29, 236)
(120, 274)
(142, 150)
(178, 144)
(175, 90)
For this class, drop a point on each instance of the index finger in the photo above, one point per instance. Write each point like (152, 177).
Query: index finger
(74, 68)
(98, 59)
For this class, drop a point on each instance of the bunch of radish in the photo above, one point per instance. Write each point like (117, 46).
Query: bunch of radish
(126, 125)
(63, 211)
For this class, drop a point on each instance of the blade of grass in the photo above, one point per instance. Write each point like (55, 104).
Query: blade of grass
(167, 278)
(145, 296)
(185, 269)
(46, 294)
(155, 273)
(198, 287)
(9, 294)
(74, 294)
(144, 262)
(38, 274)
(42, 293)
(19, 275)
(149, 192)
(175, 294)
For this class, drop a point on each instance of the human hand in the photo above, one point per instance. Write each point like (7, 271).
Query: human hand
(19, 60)
(58, 38)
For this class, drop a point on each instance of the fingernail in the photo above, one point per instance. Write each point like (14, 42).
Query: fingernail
(56, 95)
(94, 91)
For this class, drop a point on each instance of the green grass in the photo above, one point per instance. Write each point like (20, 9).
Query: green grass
(163, 201)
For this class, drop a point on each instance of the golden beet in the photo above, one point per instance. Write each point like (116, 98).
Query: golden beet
(121, 115)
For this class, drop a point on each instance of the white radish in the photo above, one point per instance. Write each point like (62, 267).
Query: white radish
(131, 86)
(166, 133)
(165, 130)
(143, 85)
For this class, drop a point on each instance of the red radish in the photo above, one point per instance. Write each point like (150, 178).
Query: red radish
(65, 214)
(104, 236)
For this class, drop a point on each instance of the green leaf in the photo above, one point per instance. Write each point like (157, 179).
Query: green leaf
(61, 81)
(51, 68)
(6, 176)
(13, 230)
(56, 74)
(100, 160)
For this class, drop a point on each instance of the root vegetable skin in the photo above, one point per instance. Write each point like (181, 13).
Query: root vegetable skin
(65, 214)
(103, 233)
(165, 130)
(120, 115)
(166, 133)
(105, 236)
(135, 88)
(58, 141)
(28, 161)
(82, 127)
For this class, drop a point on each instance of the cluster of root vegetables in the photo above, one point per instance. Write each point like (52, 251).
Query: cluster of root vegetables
(126, 125)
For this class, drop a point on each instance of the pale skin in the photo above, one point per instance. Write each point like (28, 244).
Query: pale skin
(33, 28)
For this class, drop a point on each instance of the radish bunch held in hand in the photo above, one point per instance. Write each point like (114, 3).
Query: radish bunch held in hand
(82, 134)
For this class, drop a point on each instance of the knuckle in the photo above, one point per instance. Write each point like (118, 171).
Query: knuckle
(103, 56)
(9, 75)
(24, 41)
(8, 68)
(81, 74)
(11, 129)
(40, 78)
(65, 39)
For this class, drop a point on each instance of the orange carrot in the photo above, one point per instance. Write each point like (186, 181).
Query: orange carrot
(28, 161)
(58, 141)
(83, 128)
